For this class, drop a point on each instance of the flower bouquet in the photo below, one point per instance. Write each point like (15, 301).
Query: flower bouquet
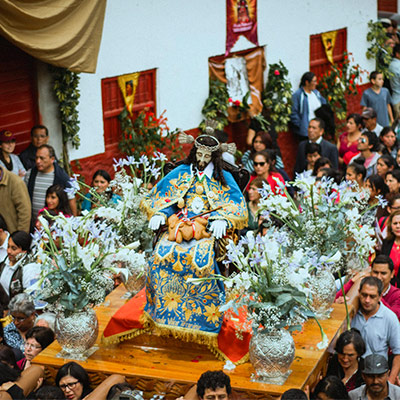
(74, 279)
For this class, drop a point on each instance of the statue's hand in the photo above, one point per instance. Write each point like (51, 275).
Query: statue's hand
(218, 228)
(156, 221)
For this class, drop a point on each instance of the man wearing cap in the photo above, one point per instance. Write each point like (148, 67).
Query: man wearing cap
(7, 159)
(379, 326)
(369, 117)
(376, 377)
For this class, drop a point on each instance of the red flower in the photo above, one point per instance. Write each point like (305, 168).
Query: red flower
(230, 100)
(351, 81)
(236, 103)
(276, 72)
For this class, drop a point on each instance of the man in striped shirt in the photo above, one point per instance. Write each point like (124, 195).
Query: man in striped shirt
(44, 174)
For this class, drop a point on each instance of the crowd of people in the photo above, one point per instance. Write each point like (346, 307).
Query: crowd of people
(366, 361)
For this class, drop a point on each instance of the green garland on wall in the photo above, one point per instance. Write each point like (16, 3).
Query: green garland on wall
(65, 86)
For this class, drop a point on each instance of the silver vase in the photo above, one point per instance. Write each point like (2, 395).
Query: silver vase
(271, 354)
(135, 283)
(76, 334)
(323, 290)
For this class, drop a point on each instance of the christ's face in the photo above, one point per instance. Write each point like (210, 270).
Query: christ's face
(203, 158)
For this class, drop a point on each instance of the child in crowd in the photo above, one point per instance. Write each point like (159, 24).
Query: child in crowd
(378, 98)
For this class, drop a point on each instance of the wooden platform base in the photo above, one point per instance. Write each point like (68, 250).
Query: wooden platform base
(165, 365)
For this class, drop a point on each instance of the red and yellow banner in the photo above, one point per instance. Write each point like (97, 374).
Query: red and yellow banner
(329, 41)
(241, 19)
(128, 83)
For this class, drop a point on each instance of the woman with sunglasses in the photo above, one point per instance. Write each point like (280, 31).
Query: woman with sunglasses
(74, 381)
(264, 169)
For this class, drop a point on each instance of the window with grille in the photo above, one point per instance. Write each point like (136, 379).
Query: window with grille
(113, 102)
(318, 61)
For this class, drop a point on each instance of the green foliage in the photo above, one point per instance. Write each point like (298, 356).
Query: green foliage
(277, 96)
(337, 83)
(378, 50)
(216, 105)
(147, 134)
(65, 86)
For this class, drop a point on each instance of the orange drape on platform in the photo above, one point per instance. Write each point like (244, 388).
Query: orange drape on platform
(64, 33)
(255, 66)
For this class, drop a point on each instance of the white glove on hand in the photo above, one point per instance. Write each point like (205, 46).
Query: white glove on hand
(156, 221)
(218, 228)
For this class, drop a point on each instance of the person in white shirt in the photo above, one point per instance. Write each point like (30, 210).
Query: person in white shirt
(16, 273)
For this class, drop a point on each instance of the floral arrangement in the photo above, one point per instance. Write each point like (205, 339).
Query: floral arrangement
(216, 105)
(72, 252)
(277, 96)
(379, 50)
(242, 107)
(325, 218)
(272, 283)
(132, 180)
(338, 82)
(147, 134)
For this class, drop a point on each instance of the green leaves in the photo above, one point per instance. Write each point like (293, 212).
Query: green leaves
(277, 96)
(216, 105)
(65, 86)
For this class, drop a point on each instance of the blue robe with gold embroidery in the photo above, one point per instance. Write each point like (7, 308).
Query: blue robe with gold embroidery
(172, 301)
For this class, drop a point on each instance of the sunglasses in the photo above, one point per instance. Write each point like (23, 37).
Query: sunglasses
(261, 164)
(362, 140)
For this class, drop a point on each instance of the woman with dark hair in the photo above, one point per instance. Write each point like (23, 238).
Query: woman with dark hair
(385, 164)
(57, 201)
(391, 245)
(348, 141)
(376, 187)
(264, 169)
(261, 141)
(322, 162)
(101, 180)
(253, 203)
(330, 388)
(346, 363)
(16, 272)
(305, 101)
(7, 356)
(388, 140)
(73, 380)
(356, 172)
(392, 180)
(36, 340)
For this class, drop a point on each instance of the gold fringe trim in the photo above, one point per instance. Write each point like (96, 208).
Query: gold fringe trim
(132, 333)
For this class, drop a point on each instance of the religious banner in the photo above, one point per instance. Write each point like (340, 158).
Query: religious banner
(329, 40)
(128, 83)
(241, 19)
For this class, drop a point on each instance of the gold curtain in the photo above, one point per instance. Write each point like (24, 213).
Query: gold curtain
(255, 65)
(64, 33)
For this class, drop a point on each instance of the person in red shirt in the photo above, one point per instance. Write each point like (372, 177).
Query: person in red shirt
(383, 269)
(264, 168)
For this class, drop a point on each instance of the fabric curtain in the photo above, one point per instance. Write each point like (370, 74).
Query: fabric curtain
(255, 65)
(64, 33)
